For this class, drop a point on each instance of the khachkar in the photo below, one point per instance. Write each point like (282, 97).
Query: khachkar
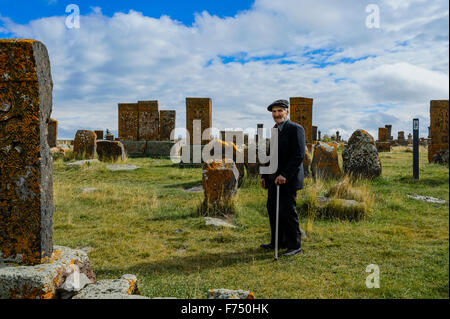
(389, 128)
(383, 144)
(198, 109)
(401, 138)
(148, 121)
(52, 132)
(301, 113)
(166, 124)
(128, 121)
(439, 129)
(26, 186)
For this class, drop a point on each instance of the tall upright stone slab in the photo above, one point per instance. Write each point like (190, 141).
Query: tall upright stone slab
(401, 138)
(438, 128)
(301, 113)
(26, 185)
(198, 109)
(166, 124)
(99, 134)
(52, 132)
(314, 133)
(128, 121)
(389, 133)
(148, 115)
(383, 144)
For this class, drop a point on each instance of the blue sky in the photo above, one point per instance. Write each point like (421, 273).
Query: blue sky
(243, 55)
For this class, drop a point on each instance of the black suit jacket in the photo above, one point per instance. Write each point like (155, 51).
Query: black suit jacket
(291, 152)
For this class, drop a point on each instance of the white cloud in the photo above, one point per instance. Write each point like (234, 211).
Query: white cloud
(358, 77)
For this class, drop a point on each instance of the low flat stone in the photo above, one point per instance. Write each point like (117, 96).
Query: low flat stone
(89, 190)
(122, 167)
(42, 281)
(73, 284)
(194, 189)
(211, 221)
(427, 199)
(222, 293)
(110, 288)
(82, 162)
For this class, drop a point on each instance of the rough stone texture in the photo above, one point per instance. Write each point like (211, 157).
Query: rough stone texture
(121, 167)
(85, 144)
(42, 281)
(58, 152)
(383, 134)
(401, 139)
(81, 163)
(110, 137)
(301, 113)
(135, 148)
(26, 185)
(439, 128)
(110, 289)
(99, 135)
(167, 120)
(73, 284)
(198, 109)
(410, 139)
(306, 162)
(158, 148)
(219, 180)
(230, 294)
(128, 121)
(389, 133)
(52, 133)
(110, 151)
(427, 199)
(442, 157)
(383, 146)
(148, 121)
(360, 157)
(325, 163)
(211, 221)
(314, 134)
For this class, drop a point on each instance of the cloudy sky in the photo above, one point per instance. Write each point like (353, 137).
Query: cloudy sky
(243, 55)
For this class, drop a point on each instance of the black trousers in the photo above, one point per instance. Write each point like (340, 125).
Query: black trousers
(289, 234)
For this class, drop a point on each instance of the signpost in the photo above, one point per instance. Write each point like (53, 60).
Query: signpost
(416, 148)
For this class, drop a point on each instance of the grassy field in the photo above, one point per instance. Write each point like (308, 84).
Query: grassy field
(143, 222)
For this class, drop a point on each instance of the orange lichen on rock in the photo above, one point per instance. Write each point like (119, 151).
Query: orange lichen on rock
(148, 121)
(85, 144)
(166, 124)
(439, 128)
(26, 192)
(325, 163)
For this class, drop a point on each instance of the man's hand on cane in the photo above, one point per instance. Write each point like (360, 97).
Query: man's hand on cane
(280, 180)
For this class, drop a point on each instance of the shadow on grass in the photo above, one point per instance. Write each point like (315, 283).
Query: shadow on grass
(184, 185)
(191, 264)
(191, 214)
(428, 181)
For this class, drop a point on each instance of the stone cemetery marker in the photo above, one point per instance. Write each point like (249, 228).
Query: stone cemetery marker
(301, 113)
(110, 137)
(325, 162)
(401, 138)
(438, 129)
(128, 121)
(389, 132)
(314, 133)
(360, 157)
(166, 124)
(410, 139)
(198, 109)
(338, 137)
(99, 135)
(26, 185)
(320, 136)
(148, 119)
(85, 144)
(52, 133)
(383, 144)
(110, 150)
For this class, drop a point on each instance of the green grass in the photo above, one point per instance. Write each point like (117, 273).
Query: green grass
(134, 224)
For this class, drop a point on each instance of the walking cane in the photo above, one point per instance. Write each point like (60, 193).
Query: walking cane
(277, 217)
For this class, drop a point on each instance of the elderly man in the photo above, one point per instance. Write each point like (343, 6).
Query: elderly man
(289, 175)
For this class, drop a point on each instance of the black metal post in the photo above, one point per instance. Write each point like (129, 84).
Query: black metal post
(416, 148)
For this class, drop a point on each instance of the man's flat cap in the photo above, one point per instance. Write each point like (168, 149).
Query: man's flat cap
(282, 103)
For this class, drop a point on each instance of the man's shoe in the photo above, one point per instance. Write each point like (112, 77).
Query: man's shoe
(267, 246)
(291, 252)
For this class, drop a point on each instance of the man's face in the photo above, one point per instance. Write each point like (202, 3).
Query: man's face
(279, 114)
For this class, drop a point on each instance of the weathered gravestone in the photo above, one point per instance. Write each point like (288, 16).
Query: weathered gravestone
(26, 186)
(166, 124)
(410, 139)
(52, 133)
(110, 150)
(314, 134)
(383, 144)
(85, 144)
(325, 162)
(148, 121)
(439, 130)
(389, 132)
(401, 138)
(99, 135)
(128, 121)
(301, 113)
(198, 109)
(360, 157)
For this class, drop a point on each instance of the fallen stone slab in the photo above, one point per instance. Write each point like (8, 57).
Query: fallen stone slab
(427, 199)
(194, 189)
(222, 293)
(122, 167)
(41, 281)
(211, 221)
(82, 162)
(90, 190)
(110, 288)
(73, 284)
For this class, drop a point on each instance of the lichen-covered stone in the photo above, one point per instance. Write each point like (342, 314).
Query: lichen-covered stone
(360, 157)
(439, 129)
(219, 182)
(52, 133)
(198, 109)
(148, 121)
(85, 144)
(128, 121)
(166, 124)
(230, 294)
(383, 134)
(110, 151)
(99, 135)
(325, 163)
(306, 162)
(301, 113)
(135, 148)
(383, 146)
(110, 288)
(42, 281)
(26, 185)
